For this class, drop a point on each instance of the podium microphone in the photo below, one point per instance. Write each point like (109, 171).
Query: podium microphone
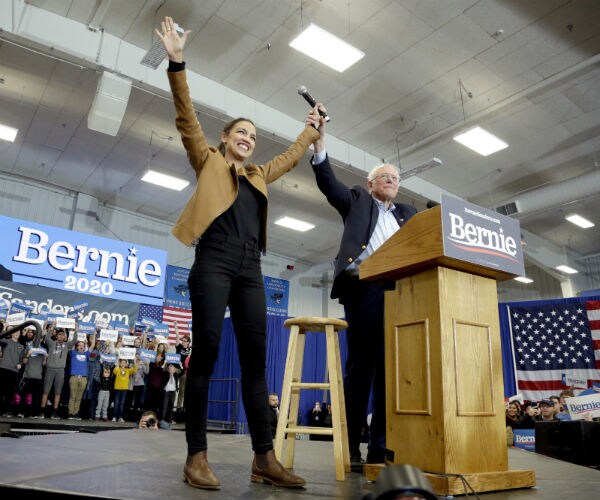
(302, 90)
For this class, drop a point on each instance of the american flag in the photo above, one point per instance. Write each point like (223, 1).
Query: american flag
(183, 317)
(552, 340)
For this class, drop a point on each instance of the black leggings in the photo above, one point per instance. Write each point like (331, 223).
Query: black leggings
(227, 273)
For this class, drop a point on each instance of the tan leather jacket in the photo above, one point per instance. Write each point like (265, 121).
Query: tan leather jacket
(217, 182)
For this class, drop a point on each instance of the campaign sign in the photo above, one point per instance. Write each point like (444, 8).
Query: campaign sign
(15, 319)
(84, 263)
(277, 292)
(161, 329)
(173, 358)
(86, 327)
(481, 236)
(160, 339)
(574, 382)
(109, 335)
(81, 337)
(177, 292)
(108, 358)
(37, 351)
(77, 308)
(127, 353)
(148, 355)
(581, 407)
(524, 438)
(149, 322)
(128, 339)
(62, 322)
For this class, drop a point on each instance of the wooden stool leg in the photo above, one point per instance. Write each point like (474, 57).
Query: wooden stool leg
(286, 388)
(334, 387)
(295, 399)
(342, 405)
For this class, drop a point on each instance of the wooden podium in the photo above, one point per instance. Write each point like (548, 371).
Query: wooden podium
(444, 386)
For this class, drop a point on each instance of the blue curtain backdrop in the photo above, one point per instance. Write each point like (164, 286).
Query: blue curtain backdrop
(225, 387)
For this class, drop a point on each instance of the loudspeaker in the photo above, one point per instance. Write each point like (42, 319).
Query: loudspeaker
(110, 103)
(575, 441)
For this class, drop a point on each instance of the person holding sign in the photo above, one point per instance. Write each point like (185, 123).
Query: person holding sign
(80, 356)
(226, 218)
(54, 378)
(122, 372)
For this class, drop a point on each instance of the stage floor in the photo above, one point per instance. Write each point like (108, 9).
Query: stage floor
(131, 463)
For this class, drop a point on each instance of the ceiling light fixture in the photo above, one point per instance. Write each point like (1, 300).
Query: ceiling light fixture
(523, 279)
(326, 48)
(165, 180)
(580, 221)
(567, 269)
(8, 133)
(481, 141)
(295, 224)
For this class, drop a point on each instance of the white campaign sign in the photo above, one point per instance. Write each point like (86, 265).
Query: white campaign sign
(582, 407)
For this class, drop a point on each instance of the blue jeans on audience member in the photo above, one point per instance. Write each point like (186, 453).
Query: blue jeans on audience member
(120, 396)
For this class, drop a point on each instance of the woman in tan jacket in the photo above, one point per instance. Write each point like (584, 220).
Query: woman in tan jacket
(226, 220)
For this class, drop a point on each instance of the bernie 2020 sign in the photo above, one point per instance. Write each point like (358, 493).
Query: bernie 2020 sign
(59, 258)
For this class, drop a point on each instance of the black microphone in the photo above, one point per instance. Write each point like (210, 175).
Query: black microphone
(311, 100)
(431, 204)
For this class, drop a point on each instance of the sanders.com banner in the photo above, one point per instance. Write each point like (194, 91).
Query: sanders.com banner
(58, 258)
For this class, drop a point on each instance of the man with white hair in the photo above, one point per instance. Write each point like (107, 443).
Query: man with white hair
(370, 217)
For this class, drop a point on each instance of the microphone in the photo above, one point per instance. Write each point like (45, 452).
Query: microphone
(302, 90)
(431, 204)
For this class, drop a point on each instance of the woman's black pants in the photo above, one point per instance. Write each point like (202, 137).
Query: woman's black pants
(227, 273)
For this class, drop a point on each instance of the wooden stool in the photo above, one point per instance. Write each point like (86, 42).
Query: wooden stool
(287, 424)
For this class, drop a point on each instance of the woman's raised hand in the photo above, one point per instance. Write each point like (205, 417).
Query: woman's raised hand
(171, 40)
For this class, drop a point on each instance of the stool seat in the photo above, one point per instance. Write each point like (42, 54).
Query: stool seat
(287, 424)
(315, 324)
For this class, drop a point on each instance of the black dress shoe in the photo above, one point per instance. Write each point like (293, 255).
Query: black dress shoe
(356, 463)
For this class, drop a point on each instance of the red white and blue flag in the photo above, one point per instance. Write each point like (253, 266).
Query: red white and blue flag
(554, 342)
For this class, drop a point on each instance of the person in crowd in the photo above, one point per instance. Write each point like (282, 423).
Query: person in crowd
(547, 413)
(122, 373)
(370, 217)
(274, 408)
(563, 413)
(226, 219)
(170, 384)
(11, 361)
(139, 383)
(513, 415)
(105, 384)
(183, 347)
(93, 378)
(80, 356)
(153, 400)
(35, 360)
(531, 411)
(58, 351)
(148, 421)
(27, 336)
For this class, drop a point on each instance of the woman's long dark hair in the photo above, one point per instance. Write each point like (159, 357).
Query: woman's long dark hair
(227, 128)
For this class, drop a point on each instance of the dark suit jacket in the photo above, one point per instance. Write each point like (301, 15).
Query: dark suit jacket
(359, 212)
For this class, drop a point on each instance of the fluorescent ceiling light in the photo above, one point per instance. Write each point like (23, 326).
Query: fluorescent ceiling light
(326, 48)
(295, 224)
(8, 133)
(524, 279)
(481, 141)
(165, 180)
(580, 221)
(567, 269)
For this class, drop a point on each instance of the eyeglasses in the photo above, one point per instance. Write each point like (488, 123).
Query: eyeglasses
(388, 177)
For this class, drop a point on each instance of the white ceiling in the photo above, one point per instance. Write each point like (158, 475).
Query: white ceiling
(528, 71)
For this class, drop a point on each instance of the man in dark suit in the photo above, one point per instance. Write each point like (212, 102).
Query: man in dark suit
(370, 217)
(274, 411)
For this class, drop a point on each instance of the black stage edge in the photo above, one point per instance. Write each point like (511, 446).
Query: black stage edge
(130, 463)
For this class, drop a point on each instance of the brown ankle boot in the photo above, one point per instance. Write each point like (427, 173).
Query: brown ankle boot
(271, 471)
(197, 472)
